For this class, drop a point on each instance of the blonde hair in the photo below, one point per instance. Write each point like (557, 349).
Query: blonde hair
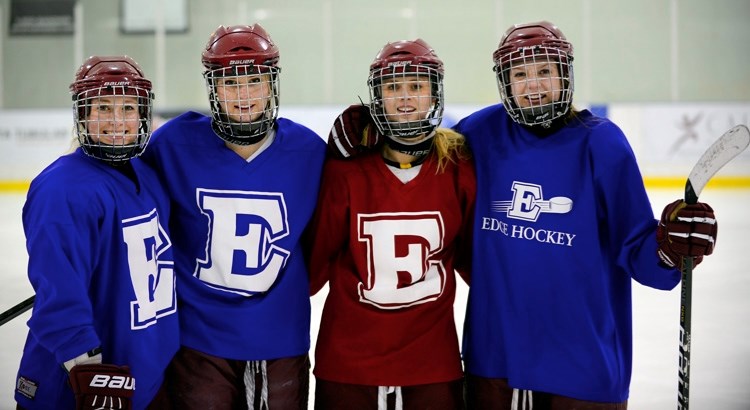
(449, 146)
(74, 143)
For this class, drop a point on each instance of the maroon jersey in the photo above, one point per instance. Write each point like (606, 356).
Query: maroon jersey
(388, 250)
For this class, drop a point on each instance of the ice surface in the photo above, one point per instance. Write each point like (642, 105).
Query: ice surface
(720, 357)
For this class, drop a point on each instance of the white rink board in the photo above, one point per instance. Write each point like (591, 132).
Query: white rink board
(667, 138)
(31, 139)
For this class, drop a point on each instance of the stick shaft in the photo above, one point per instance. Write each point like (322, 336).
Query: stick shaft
(683, 385)
(16, 310)
(723, 150)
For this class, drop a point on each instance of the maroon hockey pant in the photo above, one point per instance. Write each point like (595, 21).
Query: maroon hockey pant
(483, 393)
(200, 381)
(341, 396)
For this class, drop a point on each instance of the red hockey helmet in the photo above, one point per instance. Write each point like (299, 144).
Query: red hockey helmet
(105, 76)
(397, 60)
(233, 52)
(532, 43)
(407, 56)
(240, 46)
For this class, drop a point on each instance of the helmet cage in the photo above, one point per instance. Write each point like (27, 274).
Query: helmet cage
(102, 84)
(538, 114)
(531, 44)
(406, 73)
(403, 63)
(241, 51)
(243, 131)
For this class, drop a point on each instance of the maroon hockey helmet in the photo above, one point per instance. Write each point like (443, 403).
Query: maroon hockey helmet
(236, 51)
(401, 59)
(407, 56)
(531, 43)
(240, 46)
(106, 76)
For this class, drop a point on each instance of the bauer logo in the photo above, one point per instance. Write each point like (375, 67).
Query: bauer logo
(116, 83)
(242, 62)
(112, 382)
(528, 203)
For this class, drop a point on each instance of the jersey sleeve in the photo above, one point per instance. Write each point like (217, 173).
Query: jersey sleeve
(60, 226)
(327, 234)
(467, 190)
(630, 226)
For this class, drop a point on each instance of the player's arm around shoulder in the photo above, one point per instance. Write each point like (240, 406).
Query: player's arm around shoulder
(327, 234)
(467, 191)
(353, 132)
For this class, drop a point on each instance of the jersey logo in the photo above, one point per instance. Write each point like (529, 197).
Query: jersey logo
(528, 202)
(401, 271)
(241, 254)
(152, 277)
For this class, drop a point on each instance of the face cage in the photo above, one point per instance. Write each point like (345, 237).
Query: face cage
(91, 143)
(542, 114)
(250, 131)
(431, 118)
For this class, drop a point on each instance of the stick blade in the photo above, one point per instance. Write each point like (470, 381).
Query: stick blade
(723, 150)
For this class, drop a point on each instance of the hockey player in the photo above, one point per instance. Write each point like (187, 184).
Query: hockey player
(552, 319)
(243, 185)
(562, 225)
(390, 228)
(104, 325)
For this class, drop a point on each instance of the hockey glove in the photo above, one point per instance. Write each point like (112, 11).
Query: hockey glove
(102, 386)
(353, 132)
(686, 231)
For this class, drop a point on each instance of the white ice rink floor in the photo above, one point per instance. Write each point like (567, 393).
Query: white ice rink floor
(720, 358)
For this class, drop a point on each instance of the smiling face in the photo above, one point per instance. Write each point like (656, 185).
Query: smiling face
(407, 98)
(244, 98)
(535, 83)
(113, 120)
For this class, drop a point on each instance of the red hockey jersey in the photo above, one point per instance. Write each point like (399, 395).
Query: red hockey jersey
(388, 250)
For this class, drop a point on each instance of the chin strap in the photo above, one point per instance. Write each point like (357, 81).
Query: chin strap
(239, 134)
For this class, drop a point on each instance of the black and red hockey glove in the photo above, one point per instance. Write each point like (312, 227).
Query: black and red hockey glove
(686, 231)
(102, 386)
(353, 132)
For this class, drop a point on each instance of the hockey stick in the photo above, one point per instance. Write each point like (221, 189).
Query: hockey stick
(16, 310)
(728, 146)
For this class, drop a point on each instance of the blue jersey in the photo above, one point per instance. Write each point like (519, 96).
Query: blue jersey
(562, 225)
(243, 284)
(100, 261)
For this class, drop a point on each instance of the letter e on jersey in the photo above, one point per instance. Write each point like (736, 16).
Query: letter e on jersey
(241, 251)
(400, 268)
(152, 276)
